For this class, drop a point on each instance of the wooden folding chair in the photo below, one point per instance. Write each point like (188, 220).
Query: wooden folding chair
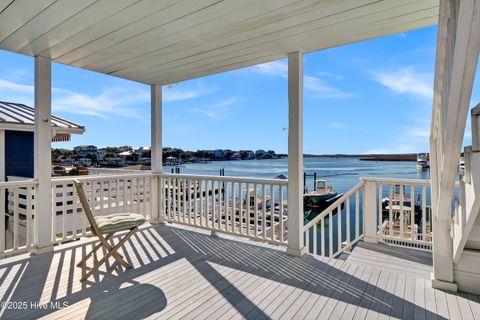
(104, 227)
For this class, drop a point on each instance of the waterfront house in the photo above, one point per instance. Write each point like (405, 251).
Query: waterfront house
(85, 151)
(219, 154)
(100, 154)
(260, 154)
(265, 261)
(247, 154)
(16, 138)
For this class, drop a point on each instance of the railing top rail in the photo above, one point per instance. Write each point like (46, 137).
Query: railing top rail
(334, 205)
(60, 180)
(23, 183)
(121, 171)
(226, 178)
(396, 180)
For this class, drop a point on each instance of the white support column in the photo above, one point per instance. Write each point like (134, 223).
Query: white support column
(457, 54)
(156, 153)
(2, 155)
(370, 213)
(42, 156)
(295, 154)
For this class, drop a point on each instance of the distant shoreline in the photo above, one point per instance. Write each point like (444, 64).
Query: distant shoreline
(369, 157)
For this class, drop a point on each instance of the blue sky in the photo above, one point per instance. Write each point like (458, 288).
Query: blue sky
(368, 97)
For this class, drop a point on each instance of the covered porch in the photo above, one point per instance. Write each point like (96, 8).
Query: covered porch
(184, 273)
(336, 262)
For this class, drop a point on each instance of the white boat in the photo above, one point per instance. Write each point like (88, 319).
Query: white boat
(461, 164)
(321, 193)
(422, 160)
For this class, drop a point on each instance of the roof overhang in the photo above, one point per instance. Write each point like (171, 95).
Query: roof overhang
(30, 128)
(168, 41)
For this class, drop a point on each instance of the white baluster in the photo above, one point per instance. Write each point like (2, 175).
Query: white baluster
(28, 218)
(322, 236)
(247, 204)
(357, 215)
(280, 196)
(64, 209)
(2, 221)
(424, 213)
(339, 227)
(330, 234)
(347, 215)
(412, 212)
(15, 219)
(264, 205)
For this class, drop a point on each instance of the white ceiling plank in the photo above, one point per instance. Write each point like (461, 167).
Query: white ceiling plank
(107, 25)
(220, 20)
(58, 12)
(249, 61)
(164, 41)
(18, 13)
(184, 52)
(4, 4)
(168, 14)
(90, 16)
(269, 43)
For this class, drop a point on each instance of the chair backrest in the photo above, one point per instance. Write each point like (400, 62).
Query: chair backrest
(86, 206)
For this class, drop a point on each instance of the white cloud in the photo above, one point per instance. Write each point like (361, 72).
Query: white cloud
(207, 113)
(319, 86)
(337, 125)
(330, 75)
(110, 101)
(406, 80)
(273, 68)
(216, 111)
(19, 88)
(227, 102)
(174, 93)
(312, 84)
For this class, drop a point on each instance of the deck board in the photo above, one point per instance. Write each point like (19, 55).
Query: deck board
(185, 274)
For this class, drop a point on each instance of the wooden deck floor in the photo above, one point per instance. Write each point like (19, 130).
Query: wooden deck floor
(182, 274)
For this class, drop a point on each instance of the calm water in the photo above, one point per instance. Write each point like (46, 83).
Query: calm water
(341, 173)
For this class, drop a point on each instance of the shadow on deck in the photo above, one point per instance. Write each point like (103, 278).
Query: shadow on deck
(180, 273)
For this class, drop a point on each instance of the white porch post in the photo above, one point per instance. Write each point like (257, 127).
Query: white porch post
(156, 153)
(42, 156)
(457, 54)
(370, 213)
(295, 154)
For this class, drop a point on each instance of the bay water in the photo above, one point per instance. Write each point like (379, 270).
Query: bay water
(341, 173)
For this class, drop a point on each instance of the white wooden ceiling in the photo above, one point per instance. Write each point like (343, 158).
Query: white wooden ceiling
(166, 41)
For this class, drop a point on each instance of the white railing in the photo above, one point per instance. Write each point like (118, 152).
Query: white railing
(403, 214)
(106, 194)
(338, 227)
(394, 211)
(103, 171)
(248, 207)
(16, 216)
(389, 210)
